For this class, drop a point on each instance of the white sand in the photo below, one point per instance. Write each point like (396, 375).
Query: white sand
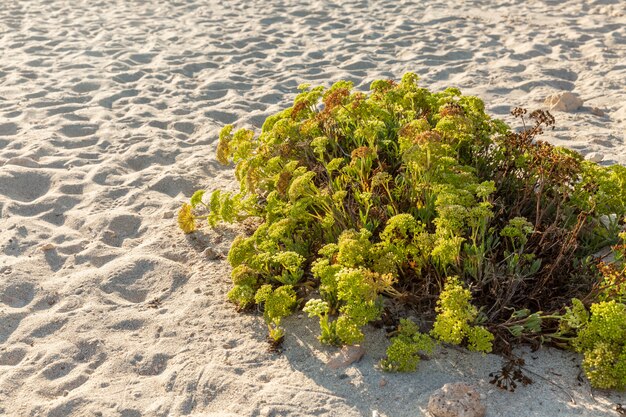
(109, 113)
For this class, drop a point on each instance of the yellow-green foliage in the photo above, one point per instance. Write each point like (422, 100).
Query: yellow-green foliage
(405, 348)
(353, 292)
(614, 273)
(358, 295)
(366, 197)
(575, 317)
(242, 295)
(277, 303)
(186, 221)
(602, 341)
(600, 333)
(321, 309)
(456, 317)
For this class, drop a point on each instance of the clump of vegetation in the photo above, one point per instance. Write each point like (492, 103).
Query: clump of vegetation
(419, 198)
(456, 316)
(277, 303)
(403, 354)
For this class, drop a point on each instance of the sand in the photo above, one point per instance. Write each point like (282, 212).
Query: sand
(109, 114)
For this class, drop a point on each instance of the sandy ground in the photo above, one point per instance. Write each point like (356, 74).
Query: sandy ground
(109, 113)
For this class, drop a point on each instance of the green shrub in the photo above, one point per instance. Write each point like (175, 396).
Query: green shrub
(404, 195)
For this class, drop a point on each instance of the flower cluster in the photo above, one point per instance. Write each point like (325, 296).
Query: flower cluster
(456, 316)
(277, 303)
(186, 219)
(602, 340)
(405, 348)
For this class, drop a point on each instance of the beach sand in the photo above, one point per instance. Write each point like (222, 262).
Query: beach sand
(109, 114)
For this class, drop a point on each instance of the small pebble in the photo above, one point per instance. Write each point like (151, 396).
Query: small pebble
(347, 356)
(596, 111)
(563, 101)
(211, 253)
(47, 246)
(456, 400)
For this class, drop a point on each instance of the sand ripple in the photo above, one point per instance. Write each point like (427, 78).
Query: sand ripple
(109, 112)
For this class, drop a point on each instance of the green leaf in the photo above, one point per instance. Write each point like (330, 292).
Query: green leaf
(196, 198)
(516, 330)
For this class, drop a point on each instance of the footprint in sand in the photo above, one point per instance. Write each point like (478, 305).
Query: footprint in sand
(78, 130)
(17, 294)
(8, 129)
(23, 184)
(12, 356)
(86, 87)
(139, 278)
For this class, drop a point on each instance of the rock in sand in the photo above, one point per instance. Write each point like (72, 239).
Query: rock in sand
(566, 101)
(596, 111)
(456, 400)
(347, 356)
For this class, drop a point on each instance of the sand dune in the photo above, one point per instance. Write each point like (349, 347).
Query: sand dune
(109, 113)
